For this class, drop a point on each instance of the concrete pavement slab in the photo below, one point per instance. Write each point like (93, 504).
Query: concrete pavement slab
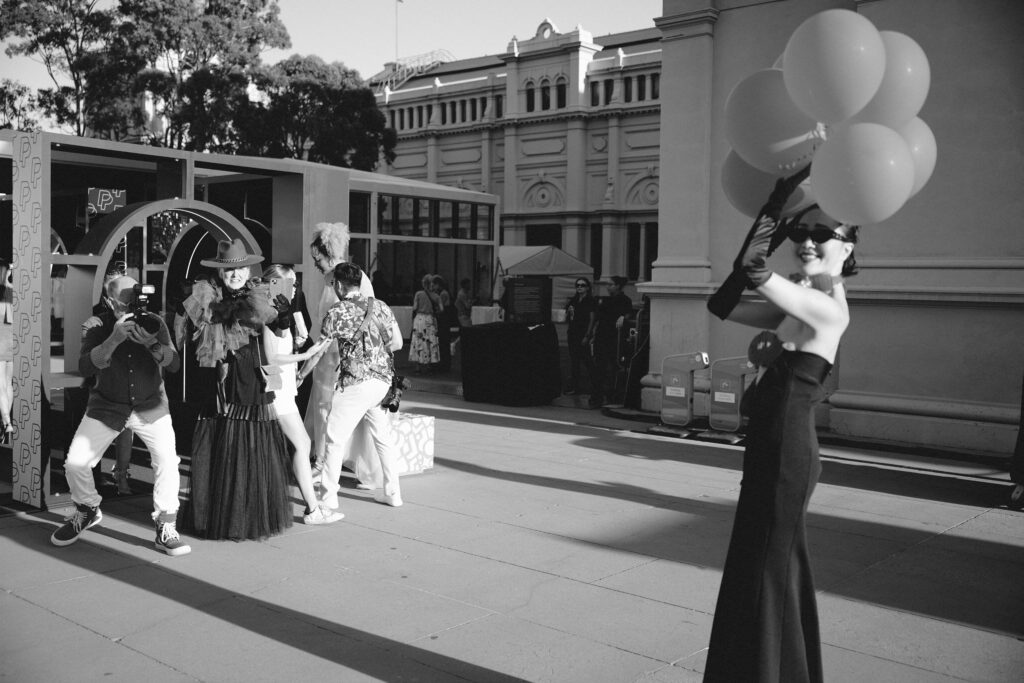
(37, 644)
(538, 653)
(944, 647)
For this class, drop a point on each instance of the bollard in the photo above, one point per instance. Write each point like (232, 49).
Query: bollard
(677, 386)
(730, 377)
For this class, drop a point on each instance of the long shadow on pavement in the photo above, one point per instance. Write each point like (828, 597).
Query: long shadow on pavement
(355, 649)
(923, 571)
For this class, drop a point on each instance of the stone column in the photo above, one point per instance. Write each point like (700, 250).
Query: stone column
(683, 269)
(30, 169)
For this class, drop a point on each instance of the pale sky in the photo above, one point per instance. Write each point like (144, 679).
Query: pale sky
(362, 33)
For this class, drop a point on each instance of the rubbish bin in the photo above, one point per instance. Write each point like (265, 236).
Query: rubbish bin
(730, 377)
(510, 364)
(677, 386)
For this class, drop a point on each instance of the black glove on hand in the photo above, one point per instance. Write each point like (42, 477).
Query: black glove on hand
(750, 269)
(784, 187)
(284, 312)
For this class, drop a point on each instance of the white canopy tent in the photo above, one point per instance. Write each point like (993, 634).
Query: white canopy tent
(563, 269)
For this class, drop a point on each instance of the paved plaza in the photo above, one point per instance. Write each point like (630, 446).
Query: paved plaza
(546, 544)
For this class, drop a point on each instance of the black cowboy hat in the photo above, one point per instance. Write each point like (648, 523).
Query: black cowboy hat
(232, 254)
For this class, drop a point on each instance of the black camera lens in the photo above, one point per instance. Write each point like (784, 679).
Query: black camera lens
(148, 322)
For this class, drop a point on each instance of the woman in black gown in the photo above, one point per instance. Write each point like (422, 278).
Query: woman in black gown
(766, 621)
(239, 458)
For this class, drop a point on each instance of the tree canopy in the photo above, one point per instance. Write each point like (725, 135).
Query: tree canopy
(187, 74)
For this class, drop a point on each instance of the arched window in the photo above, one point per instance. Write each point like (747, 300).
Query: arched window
(561, 89)
(545, 95)
(531, 103)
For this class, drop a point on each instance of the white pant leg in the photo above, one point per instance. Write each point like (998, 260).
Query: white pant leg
(90, 441)
(347, 409)
(379, 423)
(158, 436)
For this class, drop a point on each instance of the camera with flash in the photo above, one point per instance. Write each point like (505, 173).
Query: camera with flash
(139, 308)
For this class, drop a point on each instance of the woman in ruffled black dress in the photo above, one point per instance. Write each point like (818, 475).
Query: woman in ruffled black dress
(239, 466)
(766, 620)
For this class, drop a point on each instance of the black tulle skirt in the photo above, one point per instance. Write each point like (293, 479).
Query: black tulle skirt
(239, 484)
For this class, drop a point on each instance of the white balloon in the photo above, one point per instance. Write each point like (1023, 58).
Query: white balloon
(747, 188)
(904, 86)
(834, 63)
(863, 174)
(921, 141)
(764, 126)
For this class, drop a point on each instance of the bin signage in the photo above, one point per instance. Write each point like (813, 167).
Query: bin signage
(677, 386)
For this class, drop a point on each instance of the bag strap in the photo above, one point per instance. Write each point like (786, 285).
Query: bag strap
(363, 325)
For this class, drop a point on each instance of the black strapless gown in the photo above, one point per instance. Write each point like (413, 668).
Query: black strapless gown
(766, 621)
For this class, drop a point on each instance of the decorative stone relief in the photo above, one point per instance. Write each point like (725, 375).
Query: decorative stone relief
(644, 192)
(543, 195)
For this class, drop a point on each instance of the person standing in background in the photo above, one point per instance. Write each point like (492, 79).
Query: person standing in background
(581, 314)
(446, 320)
(328, 248)
(426, 305)
(612, 313)
(464, 303)
(6, 351)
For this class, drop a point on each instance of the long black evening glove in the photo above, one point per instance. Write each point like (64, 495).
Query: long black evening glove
(750, 269)
(284, 312)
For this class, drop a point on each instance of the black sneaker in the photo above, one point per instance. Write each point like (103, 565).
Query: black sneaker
(168, 541)
(83, 518)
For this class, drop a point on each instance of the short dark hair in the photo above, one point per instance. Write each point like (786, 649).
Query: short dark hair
(850, 264)
(348, 274)
(619, 280)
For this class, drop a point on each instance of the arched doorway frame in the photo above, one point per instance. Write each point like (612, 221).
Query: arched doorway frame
(85, 277)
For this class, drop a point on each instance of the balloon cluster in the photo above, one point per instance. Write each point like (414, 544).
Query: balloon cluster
(845, 96)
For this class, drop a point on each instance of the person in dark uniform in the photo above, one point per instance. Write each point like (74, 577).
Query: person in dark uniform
(581, 314)
(766, 620)
(612, 313)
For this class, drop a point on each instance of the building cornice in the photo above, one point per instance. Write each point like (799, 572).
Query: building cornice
(520, 121)
(699, 22)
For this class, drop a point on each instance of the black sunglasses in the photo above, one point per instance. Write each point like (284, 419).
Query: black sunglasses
(817, 235)
(582, 284)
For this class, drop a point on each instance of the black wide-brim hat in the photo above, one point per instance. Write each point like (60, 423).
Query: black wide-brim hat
(232, 255)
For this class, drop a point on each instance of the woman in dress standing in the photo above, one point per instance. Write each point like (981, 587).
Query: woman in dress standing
(766, 620)
(279, 342)
(239, 480)
(425, 349)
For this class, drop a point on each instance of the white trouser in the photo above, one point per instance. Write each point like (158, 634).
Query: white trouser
(359, 402)
(91, 441)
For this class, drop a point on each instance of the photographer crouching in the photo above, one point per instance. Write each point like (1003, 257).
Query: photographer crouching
(126, 349)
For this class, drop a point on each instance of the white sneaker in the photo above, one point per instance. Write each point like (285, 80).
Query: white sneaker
(322, 515)
(394, 500)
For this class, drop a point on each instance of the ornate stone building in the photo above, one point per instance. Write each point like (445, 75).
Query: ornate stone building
(562, 126)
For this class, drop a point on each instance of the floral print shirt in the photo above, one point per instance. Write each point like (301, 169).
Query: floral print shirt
(368, 354)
